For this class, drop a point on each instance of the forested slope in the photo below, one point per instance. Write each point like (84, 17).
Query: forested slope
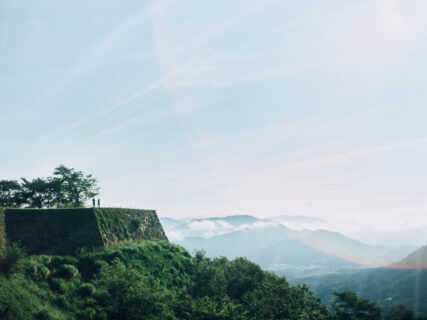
(146, 280)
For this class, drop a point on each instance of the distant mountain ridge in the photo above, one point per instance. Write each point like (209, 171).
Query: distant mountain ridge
(276, 247)
(404, 282)
(417, 259)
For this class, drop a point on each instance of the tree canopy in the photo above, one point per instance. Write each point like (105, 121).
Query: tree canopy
(348, 306)
(66, 188)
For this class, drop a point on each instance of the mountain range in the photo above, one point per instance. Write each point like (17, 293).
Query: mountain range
(276, 247)
(417, 259)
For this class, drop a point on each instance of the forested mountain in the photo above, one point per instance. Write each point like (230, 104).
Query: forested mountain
(160, 280)
(388, 287)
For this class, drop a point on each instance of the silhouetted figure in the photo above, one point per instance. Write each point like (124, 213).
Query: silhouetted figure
(93, 202)
(99, 202)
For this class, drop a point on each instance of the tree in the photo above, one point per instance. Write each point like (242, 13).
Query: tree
(67, 188)
(347, 306)
(10, 193)
(39, 192)
(399, 313)
(75, 188)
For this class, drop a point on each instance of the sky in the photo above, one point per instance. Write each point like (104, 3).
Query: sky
(212, 108)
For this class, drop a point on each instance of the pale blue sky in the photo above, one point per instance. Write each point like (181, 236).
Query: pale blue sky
(201, 108)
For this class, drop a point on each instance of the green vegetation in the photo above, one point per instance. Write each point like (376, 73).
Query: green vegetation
(2, 229)
(118, 224)
(389, 288)
(66, 188)
(150, 280)
(160, 280)
(347, 306)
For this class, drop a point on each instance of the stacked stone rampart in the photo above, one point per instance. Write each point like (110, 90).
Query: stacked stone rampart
(66, 231)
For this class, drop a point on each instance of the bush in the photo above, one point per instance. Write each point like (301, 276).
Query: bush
(46, 314)
(37, 271)
(90, 313)
(59, 285)
(66, 271)
(86, 290)
(59, 260)
(11, 259)
(42, 259)
(135, 223)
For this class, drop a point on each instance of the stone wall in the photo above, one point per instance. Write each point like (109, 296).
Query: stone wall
(66, 231)
(118, 224)
(2, 229)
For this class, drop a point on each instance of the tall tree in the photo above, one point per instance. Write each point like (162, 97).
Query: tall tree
(75, 187)
(10, 193)
(39, 192)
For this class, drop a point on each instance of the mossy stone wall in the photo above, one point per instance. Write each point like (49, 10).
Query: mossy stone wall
(66, 231)
(118, 224)
(2, 229)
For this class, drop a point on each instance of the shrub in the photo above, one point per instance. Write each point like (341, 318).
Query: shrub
(11, 259)
(67, 271)
(58, 284)
(46, 314)
(86, 290)
(135, 223)
(90, 313)
(37, 271)
(59, 260)
(42, 259)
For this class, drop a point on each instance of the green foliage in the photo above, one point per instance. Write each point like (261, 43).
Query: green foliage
(11, 259)
(75, 188)
(10, 191)
(387, 287)
(135, 223)
(39, 192)
(67, 272)
(399, 313)
(2, 229)
(348, 306)
(46, 314)
(118, 224)
(37, 271)
(86, 290)
(66, 188)
(151, 280)
(128, 294)
(160, 280)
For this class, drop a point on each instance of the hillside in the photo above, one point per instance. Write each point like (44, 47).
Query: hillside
(147, 280)
(417, 259)
(388, 287)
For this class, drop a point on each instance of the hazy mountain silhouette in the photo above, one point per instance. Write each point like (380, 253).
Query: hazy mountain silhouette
(417, 259)
(403, 283)
(277, 247)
